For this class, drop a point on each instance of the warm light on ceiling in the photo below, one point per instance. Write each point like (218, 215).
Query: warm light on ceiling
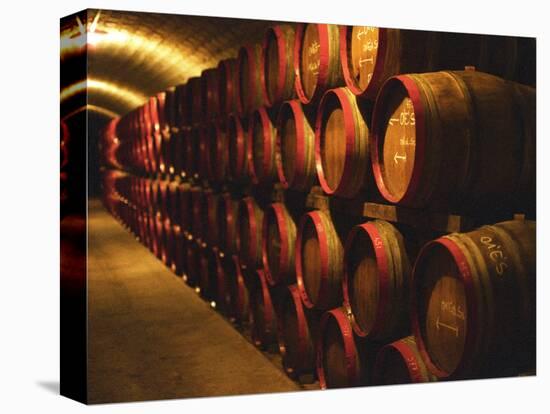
(100, 36)
(92, 108)
(132, 98)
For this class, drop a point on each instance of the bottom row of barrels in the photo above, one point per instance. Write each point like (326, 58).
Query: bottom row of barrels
(313, 345)
(471, 302)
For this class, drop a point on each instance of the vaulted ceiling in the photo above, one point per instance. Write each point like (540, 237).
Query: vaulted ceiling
(132, 55)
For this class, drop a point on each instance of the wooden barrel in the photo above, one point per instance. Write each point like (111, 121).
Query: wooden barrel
(237, 143)
(183, 108)
(160, 238)
(278, 245)
(193, 99)
(371, 55)
(223, 292)
(474, 301)
(227, 223)
(400, 363)
(170, 260)
(178, 253)
(208, 282)
(227, 87)
(190, 139)
(509, 57)
(177, 151)
(295, 147)
(152, 232)
(210, 94)
(197, 194)
(296, 334)
(277, 68)
(164, 197)
(238, 292)
(249, 80)
(261, 147)
(156, 200)
(262, 312)
(319, 261)
(342, 144)
(250, 219)
(184, 210)
(376, 281)
(316, 60)
(435, 134)
(170, 108)
(218, 157)
(209, 217)
(338, 362)
(192, 261)
(174, 203)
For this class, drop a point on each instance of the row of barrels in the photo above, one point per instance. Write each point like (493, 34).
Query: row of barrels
(462, 140)
(302, 61)
(468, 300)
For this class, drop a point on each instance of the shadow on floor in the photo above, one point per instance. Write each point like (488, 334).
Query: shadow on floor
(51, 386)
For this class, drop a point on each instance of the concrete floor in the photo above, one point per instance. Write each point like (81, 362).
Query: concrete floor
(151, 337)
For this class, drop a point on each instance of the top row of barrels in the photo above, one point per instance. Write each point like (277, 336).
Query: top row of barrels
(305, 60)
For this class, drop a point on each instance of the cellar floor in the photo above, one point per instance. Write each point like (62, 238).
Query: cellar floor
(151, 337)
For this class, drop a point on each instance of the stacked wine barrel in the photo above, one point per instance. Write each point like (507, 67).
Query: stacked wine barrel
(214, 177)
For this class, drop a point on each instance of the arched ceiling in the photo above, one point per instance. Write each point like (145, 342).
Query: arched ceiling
(133, 55)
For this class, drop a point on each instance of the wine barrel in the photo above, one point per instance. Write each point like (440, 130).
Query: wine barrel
(342, 144)
(509, 57)
(178, 252)
(277, 69)
(371, 55)
(249, 81)
(193, 152)
(155, 196)
(192, 262)
(151, 229)
(177, 151)
(223, 291)
(163, 189)
(474, 301)
(376, 281)
(182, 107)
(319, 261)
(170, 260)
(296, 334)
(278, 245)
(210, 94)
(218, 157)
(460, 139)
(250, 218)
(160, 238)
(185, 209)
(197, 194)
(261, 147)
(400, 363)
(338, 362)
(209, 217)
(170, 108)
(227, 87)
(193, 99)
(295, 147)
(173, 209)
(208, 282)
(316, 60)
(237, 143)
(262, 312)
(227, 223)
(238, 292)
